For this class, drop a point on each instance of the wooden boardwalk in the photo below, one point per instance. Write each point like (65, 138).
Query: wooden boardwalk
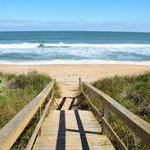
(71, 130)
(68, 128)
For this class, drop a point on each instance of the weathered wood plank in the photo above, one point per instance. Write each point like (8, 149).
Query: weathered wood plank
(38, 127)
(74, 129)
(67, 103)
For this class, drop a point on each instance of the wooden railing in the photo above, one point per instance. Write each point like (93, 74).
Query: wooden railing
(139, 127)
(13, 129)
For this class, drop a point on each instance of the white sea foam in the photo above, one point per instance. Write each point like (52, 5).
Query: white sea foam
(111, 49)
(19, 45)
(81, 53)
(64, 45)
(78, 62)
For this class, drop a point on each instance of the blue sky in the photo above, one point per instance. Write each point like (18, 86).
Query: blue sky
(102, 15)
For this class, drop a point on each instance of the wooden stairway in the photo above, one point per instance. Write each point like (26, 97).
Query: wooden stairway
(71, 130)
(67, 128)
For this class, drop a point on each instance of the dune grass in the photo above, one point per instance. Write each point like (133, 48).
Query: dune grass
(15, 92)
(133, 92)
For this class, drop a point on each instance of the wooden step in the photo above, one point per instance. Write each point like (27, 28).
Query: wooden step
(71, 130)
(68, 103)
(65, 103)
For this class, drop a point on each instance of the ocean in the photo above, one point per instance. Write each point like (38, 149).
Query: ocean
(74, 47)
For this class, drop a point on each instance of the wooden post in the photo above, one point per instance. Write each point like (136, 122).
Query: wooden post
(80, 83)
(137, 140)
(40, 114)
(105, 115)
(54, 81)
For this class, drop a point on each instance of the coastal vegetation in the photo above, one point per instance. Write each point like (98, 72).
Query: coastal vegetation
(130, 91)
(133, 93)
(15, 92)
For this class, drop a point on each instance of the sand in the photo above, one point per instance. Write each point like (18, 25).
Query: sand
(68, 75)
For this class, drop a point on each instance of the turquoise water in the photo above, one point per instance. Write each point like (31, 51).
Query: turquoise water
(74, 47)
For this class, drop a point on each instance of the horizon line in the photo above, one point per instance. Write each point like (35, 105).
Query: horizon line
(75, 31)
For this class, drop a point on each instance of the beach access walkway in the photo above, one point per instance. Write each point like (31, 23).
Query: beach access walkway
(66, 127)
(71, 130)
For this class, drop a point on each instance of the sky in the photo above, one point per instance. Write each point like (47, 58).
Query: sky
(75, 15)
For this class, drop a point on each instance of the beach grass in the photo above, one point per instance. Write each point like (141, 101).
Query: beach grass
(18, 90)
(15, 92)
(130, 91)
(133, 93)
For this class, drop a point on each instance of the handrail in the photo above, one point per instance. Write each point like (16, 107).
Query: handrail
(13, 129)
(38, 126)
(140, 127)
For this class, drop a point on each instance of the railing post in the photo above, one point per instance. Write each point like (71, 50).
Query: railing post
(137, 140)
(105, 115)
(40, 114)
(80, 83)
(54, 81)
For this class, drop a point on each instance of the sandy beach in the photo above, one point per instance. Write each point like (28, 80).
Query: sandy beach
(71, 72)
(68, 75)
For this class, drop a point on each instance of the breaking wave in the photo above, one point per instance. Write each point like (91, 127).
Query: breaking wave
(65, 45)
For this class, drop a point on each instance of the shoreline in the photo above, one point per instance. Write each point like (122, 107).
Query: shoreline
(75, 62)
